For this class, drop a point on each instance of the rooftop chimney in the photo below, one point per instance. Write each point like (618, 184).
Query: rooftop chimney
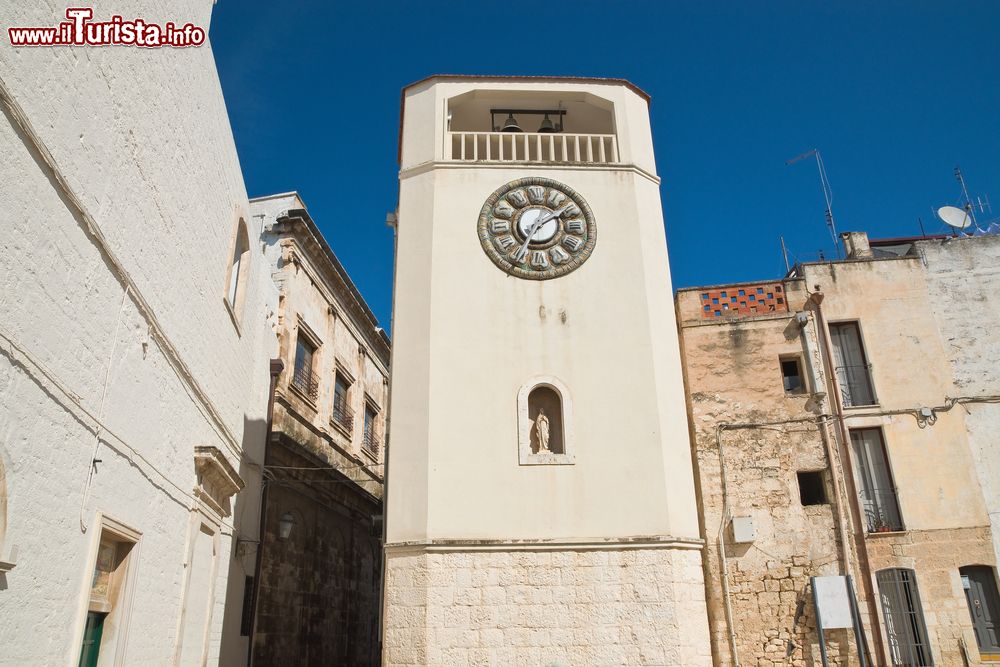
(856, 245)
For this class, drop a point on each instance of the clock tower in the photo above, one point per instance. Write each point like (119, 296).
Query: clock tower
(540, 500)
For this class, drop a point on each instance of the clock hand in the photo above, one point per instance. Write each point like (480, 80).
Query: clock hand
(538, 223)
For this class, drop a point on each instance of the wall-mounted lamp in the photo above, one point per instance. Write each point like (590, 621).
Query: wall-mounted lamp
(285, 525)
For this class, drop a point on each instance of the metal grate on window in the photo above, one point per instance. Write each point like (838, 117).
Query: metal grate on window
(905, 629)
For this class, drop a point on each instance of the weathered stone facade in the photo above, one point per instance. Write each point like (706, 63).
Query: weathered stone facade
(629, 606)
(752, 437)
(319, 587)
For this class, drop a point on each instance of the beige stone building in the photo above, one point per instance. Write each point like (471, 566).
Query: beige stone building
(318, 579)
(831, 436)
(540, 500)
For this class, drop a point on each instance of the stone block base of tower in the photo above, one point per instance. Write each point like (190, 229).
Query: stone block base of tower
(590, 605)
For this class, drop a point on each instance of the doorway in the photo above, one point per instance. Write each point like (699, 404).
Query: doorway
(980, 587)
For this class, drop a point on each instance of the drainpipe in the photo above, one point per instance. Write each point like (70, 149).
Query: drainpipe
(816, 298)
(818, 383)
(277, 366)
(723, 561)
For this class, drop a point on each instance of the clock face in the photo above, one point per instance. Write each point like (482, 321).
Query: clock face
(537, 228)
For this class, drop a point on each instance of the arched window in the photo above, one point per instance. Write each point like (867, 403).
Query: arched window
(545, 419)
(239, 266)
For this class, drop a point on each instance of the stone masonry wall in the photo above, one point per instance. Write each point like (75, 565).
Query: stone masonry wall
(628, 607)
(936, 556)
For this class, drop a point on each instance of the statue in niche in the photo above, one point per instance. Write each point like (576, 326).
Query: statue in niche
(542, 431)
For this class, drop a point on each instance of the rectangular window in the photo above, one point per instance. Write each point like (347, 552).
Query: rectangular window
(812, 490)
(303, 377)
(851, 366)
(904, 618)
(246, 620)
(372, 439)
(878, 494)
(343, 415)
(791, 374)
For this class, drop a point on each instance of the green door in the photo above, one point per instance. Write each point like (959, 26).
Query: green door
(92, 639)
(984, 606)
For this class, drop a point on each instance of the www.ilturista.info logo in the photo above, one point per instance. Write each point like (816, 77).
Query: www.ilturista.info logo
(79, 30)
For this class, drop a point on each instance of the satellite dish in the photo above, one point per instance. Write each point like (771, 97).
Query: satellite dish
(955, 217)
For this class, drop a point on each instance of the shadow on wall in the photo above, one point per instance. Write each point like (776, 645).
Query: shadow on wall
(242, 556)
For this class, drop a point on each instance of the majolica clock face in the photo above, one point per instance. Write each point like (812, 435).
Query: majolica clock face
(537, 228)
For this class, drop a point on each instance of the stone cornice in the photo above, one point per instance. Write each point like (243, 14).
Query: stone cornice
(526, 166)
(557, 544)
(313, 253)
(218, 481)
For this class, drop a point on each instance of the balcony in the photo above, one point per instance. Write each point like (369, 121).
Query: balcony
(855, 385)
(371, 443)
(342, 416)
(540, 147)
(881, 510)
(306, 382)
(531, 126)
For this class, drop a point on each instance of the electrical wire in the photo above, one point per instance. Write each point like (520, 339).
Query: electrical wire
(98, 426)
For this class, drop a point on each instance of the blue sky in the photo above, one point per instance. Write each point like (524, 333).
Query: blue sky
(894, 94)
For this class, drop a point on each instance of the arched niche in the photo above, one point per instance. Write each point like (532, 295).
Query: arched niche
(544, 395)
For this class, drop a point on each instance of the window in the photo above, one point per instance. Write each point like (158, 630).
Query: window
(878, 494)
(246, 619)
(980, 586)
(238, 268)
(904, 619)
(372, 438)
(851, 365)
(303, 377)
(812, 489)
(791, 374)
(343, 415)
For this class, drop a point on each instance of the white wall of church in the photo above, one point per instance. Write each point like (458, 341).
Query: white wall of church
(121, 192)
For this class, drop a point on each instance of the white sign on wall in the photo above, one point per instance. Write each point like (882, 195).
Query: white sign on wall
(833, 602)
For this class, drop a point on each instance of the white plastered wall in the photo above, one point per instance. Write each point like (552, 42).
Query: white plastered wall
(466, 337)
(140, 139)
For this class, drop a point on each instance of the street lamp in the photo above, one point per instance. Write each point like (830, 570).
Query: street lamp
(285, 524)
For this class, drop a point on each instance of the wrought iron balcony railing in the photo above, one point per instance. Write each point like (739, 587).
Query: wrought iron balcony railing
(342, 415)
(855, 384)
(881, 511)
(372, 442)
(306, 382)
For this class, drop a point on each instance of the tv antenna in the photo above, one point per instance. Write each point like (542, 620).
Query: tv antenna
(827, 192)
(965, 194)
(964, 217)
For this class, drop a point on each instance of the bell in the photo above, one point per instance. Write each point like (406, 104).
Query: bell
(511, 125)
(547, 125)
